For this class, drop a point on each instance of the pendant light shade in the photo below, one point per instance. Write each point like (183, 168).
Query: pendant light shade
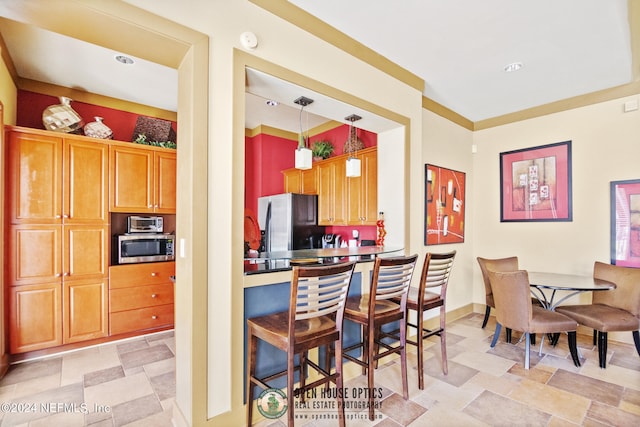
(353, 163)
(353, 167)
(304, 156)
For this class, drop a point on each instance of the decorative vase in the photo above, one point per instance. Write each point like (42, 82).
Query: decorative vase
(98, 129)
(62, 118)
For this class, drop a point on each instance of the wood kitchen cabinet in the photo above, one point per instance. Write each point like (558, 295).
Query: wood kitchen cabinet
(57, 238)
(363, 191)
(141, 297)
(301, 181)
(143, 180)
(55, 179)
(85, 310)
(331, 192)
(35, 318)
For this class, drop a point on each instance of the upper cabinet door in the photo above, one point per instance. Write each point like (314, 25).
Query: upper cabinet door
(35, 178)
(131, 177)
(85, 182)
(165, 182)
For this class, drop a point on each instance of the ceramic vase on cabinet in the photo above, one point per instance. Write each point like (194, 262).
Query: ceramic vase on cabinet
(98, 129)
(62, 118)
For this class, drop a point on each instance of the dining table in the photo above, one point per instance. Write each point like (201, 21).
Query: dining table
(569, 284)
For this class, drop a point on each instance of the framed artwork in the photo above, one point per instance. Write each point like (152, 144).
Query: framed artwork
(625, 223)
(444, 205)
(535, 184)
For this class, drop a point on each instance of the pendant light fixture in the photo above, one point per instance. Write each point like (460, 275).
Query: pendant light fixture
(353, 163)
(303, 153)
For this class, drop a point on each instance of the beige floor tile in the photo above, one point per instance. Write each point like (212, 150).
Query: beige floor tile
(502, 385)
(444, 416)
(612, 416)
(446, 396)
(551, 400)
(118, 391)
(160, 367)
(75, 365)
(630, 407)
(484, 362)
(38, 385)
(614, 374)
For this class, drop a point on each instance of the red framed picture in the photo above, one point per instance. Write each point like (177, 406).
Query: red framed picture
(625, 223)
(444, 205)
(535, 184)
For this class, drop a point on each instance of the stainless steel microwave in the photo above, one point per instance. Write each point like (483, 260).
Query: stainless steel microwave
(138, 248)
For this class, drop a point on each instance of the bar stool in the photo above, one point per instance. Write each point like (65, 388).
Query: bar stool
(435, 273)
(314, 318)
(391, 279)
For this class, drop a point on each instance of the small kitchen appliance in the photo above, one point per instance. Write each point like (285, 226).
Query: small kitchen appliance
(143, 247)
(331, 241)
(145, 224)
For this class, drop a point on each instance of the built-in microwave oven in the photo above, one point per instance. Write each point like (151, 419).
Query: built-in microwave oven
(137, 248)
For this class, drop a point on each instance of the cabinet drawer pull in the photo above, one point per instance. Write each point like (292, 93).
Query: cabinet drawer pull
(65, 216)
(67, 274)
(154, 274)
(154, 317)
(58, 216)
(153, 295)
(150, 206)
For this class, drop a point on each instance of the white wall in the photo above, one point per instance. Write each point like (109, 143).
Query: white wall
(449, 145)
(605, 147)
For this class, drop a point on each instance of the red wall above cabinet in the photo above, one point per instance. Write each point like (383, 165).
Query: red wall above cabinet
(30, 106)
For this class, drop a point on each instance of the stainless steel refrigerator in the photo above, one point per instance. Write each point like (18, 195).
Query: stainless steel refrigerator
(289, 221)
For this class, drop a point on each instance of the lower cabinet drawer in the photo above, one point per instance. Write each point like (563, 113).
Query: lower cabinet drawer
(140, 319)
(140, 297)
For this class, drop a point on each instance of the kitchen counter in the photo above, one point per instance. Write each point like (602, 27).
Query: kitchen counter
(269, 262)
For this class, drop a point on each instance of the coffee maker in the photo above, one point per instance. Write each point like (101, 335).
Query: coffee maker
(331, 241)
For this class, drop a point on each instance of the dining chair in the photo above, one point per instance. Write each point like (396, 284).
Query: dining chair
(615, 310)
(436, 270)
(495, 264)
(391, 279)
(514, 310)
(315, 318)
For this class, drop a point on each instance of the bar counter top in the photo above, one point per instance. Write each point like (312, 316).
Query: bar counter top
(268, 262)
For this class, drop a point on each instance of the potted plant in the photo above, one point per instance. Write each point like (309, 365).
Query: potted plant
(321, 149)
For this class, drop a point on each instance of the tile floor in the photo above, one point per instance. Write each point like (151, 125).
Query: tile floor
(128, 383)
(490, 387)
(132, 383)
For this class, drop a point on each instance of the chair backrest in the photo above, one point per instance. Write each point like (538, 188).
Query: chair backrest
(512, 295)
(435, 272)
(319, 291)
(626, 295)
(391, 279)
(496, 264)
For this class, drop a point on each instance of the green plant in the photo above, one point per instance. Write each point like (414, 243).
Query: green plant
(322, 148)
(142, 139)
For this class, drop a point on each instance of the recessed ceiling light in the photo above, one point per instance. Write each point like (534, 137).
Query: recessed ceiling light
(272, 103)
(514, 66)
(124, 59)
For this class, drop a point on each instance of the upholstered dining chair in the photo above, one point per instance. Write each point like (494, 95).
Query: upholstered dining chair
(429, 294)
(315, 318)
(615, 310)
(391, 279)
(495, 264)
(514, 310)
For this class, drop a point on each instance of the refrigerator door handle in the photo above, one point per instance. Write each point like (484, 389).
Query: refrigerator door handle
(267, 228)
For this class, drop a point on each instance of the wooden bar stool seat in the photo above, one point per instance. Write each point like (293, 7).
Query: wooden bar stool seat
(314, 319)
(391, 279)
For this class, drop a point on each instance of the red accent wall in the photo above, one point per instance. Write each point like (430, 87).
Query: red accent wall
(339, 135)
(266, 156)
(30, 106)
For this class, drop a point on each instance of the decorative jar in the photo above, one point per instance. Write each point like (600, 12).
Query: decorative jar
(62, 118)
(98, 129)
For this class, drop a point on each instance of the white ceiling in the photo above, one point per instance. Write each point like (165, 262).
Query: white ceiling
(459, 47)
